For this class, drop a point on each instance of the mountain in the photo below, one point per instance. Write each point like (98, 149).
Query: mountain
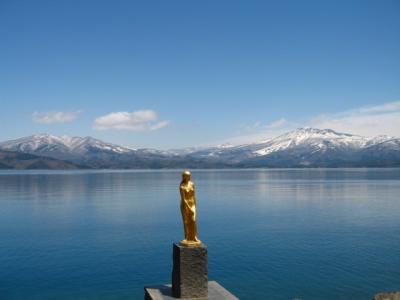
(85, 151)
(304, 147)
(60, 146)
(383, 153)
(310, 147)
(17, 160)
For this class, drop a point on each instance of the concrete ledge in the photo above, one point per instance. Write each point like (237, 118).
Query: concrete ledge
(164, 292)
(387, 296)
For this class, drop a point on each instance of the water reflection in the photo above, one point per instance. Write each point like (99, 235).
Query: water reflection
(103, 235)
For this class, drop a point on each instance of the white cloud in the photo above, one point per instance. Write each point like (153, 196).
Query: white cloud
(257, 132)
(374, 120)
(140, 120)
(277, 124)
(386, 107)
(55, 116)
(257, 126)
(250, 127)
(366, 121)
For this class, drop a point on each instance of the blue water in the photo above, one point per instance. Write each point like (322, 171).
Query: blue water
(271, 234)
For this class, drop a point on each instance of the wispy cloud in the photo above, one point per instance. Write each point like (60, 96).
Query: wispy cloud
(386, 107)
(250, 127)
(374, 120)
(53, 117)
(258, 131)
(140, 120)
(367, 120)
(277, 124)
(256, 126)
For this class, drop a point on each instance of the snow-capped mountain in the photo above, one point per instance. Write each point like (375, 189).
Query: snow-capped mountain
(56, 146)
(304, 147)
(314, 139)
(86, 151)
(307, 147)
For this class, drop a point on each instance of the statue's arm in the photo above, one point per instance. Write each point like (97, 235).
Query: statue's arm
(181, 192)
(194, 196)
(183, 200)
(195, 203)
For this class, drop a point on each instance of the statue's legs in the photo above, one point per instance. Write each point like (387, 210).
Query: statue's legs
(185, 228)
(195, 231)
(192, 228)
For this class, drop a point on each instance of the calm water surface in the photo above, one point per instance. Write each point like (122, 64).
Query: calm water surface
(272, 234)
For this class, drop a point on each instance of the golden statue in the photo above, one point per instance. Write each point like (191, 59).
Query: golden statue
(188, 210)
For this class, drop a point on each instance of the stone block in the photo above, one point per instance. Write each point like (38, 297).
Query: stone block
(190, 271)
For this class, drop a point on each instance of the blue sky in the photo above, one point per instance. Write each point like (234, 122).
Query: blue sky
(168, 74)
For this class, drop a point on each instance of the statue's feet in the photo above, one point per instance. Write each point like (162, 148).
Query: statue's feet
(189, 243)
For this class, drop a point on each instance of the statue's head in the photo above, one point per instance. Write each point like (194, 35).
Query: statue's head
(186, 175)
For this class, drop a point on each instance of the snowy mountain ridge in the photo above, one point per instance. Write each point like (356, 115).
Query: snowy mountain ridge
(303, 147)
(316, 139)
(74, 144)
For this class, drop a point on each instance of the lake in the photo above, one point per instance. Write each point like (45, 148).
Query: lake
(271, 234)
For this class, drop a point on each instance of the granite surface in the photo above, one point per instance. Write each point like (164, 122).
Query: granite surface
(164, 292)
(190, 271)
(387, 296)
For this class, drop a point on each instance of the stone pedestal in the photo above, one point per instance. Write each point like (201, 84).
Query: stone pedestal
(190, 271)
(189, 278)
(164, 292)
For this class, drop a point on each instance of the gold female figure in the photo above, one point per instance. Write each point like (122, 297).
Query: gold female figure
(188, 210)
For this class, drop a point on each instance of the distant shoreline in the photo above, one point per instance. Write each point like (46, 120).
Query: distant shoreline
(199, 169)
